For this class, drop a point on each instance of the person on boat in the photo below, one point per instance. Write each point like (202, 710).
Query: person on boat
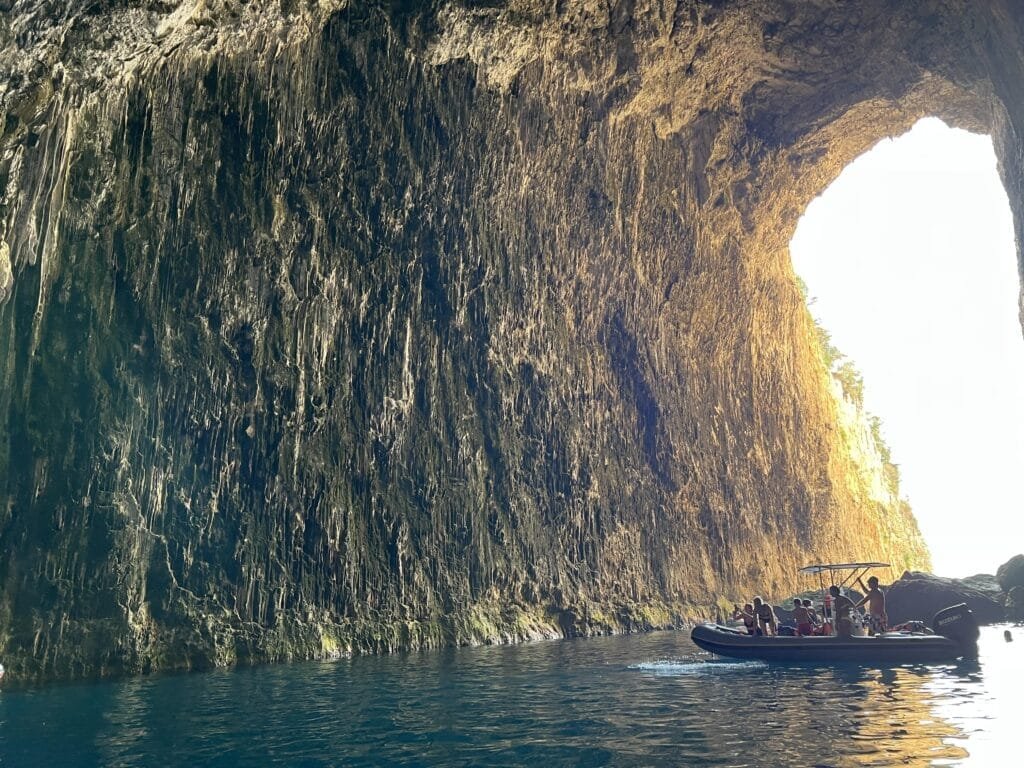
(842, 605)
(819, 624)
(766, 622)
(747, 614)
(812, 615)
(802, 617)
(875, 600)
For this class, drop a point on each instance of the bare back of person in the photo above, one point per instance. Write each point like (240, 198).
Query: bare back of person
(876, 602)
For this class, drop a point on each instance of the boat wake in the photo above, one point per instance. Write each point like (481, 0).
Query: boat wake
(704, 667)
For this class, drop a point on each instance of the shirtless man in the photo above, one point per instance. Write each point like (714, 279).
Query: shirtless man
(875, 600)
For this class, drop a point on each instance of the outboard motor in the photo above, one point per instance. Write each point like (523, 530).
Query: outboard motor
(958, 624)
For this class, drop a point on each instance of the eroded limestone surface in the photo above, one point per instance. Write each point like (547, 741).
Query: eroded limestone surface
(330, 327)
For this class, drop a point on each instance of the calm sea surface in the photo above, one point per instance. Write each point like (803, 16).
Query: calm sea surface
(641, 700)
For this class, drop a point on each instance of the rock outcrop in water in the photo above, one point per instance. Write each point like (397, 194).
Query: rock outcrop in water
(919, 596)
(337, 326)
(1011, 573)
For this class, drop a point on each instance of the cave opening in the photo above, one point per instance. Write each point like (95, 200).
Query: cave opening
(910, 270)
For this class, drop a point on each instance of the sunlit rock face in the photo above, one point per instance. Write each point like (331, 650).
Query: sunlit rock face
(333, 327)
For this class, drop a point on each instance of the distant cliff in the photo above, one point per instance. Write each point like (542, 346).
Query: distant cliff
(331, 327)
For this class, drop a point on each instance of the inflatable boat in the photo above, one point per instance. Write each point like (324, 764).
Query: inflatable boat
(956, 637)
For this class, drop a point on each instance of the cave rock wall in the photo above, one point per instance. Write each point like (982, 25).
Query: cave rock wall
(337, 327)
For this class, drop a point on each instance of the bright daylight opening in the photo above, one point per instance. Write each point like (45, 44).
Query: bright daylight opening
(910, 265)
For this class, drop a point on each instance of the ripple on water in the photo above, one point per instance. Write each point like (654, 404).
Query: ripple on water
(673, 667)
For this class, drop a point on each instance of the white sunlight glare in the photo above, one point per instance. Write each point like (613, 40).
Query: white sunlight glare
(909, 259)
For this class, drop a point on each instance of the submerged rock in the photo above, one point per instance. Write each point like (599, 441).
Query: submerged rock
(919, 596)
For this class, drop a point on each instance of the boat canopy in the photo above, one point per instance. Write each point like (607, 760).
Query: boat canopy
(821, 568)
(856, 570)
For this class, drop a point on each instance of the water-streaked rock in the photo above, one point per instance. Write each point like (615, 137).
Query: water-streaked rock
(337, 327)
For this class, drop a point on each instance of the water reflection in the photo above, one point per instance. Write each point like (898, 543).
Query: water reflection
(804, 715)
(985, 703)
(125, 731)
(614, 701)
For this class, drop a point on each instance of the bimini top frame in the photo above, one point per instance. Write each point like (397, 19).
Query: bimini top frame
(856, 570)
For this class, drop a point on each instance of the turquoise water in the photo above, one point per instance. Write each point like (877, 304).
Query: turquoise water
(640, 700)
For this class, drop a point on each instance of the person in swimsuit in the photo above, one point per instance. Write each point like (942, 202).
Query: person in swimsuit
(747, 614)
(766, 623)
(842, 605)
(802, 617)
(811, 614)
(875, 600)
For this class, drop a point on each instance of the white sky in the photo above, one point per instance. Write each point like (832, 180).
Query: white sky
(910, 258)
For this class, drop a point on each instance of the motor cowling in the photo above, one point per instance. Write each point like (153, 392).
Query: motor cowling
(958, 624)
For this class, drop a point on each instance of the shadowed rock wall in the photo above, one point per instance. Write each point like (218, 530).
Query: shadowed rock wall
(331, 327)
